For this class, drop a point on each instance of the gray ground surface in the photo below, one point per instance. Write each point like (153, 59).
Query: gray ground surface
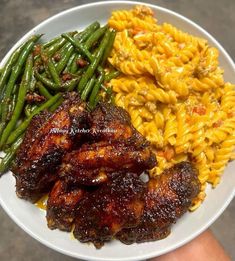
(18, 16)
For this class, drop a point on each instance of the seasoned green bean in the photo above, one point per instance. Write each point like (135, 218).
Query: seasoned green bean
(51, 42)
(94, 94)
(84, 35)
(12, 106)
(6, 70)
(53, 71)
(108, 77)
(22, 127)
(43, 91)
(55, 47)
(32, 83)
(62, 63)
(81, 48)
(28, 109)
(46, 81)
(88, 88)
(74, 66)
(108, 47)
(69, 64)
(94, 64)
(9, 156)
(20, 100)
(95, 36)
(70, 85)
(16, 70)
(56, 104)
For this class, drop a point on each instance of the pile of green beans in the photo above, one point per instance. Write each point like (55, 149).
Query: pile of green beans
(74, 61)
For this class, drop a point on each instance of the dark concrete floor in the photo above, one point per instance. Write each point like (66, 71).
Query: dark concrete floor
(18, 16)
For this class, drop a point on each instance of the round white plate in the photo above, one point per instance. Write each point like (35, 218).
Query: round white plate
(33, 221)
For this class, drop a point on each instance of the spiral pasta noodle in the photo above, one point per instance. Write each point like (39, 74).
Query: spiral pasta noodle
(173, 88)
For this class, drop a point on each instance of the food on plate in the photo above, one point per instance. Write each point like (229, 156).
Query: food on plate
(118, 147)
(87, 116)
(46, 141)
(166, 199)
(117, 204)
(173, 88)
(129, 210)
(62, 202)
(74, 60)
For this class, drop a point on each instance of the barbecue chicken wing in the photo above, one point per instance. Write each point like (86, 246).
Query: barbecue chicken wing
(46, 141)
(167, 198)
(61, 204)
(92, 164)
(115, 205)
(113, 124)
(115, 145)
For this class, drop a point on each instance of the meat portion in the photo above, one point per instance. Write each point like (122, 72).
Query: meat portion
(92, 164)
(62, 202)
(115, 205)
(115, 145)
(43, 147)
(167, 198)
(113, 124)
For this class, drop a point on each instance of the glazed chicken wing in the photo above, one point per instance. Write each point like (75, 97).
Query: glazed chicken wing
(61, 205)
(167, 198)
(92, 164)
(113, 124)
(43, 147)
(115, 205)
(115, 145)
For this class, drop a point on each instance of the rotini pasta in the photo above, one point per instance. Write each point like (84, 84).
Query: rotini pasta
(173, 88)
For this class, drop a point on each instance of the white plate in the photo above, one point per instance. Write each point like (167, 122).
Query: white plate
(33, 221)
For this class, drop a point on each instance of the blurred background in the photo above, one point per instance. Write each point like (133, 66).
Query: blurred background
(19, 16)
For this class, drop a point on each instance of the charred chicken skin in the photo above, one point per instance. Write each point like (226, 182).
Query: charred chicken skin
(167, 198)
(117, 146)
(61, 204)
(117, 204)
(47, 139)
(95, 175)
(92, 164)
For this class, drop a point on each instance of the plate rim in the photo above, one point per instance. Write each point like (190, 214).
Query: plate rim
(153, 253)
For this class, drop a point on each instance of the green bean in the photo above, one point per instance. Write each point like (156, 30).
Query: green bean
(28, 109)
(9, 156)
(84, 35)
(81, 48)
(74, 66)
(6, 70)
(62, 63)
(69, 64)
(46, 81)
(94, 93)
(108, 47)
(94, 64)
(108, 77)
(70, 85)
(12, 106)
(55, 47)
(22, 127)
(88, 88)
(51, 42)
(56, 104)
(53, 71)
(95, 36)
(43, 91)
(16, 70)
(32, 83)
(20, 100)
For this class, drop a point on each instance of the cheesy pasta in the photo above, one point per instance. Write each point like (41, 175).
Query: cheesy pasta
(173, 88)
